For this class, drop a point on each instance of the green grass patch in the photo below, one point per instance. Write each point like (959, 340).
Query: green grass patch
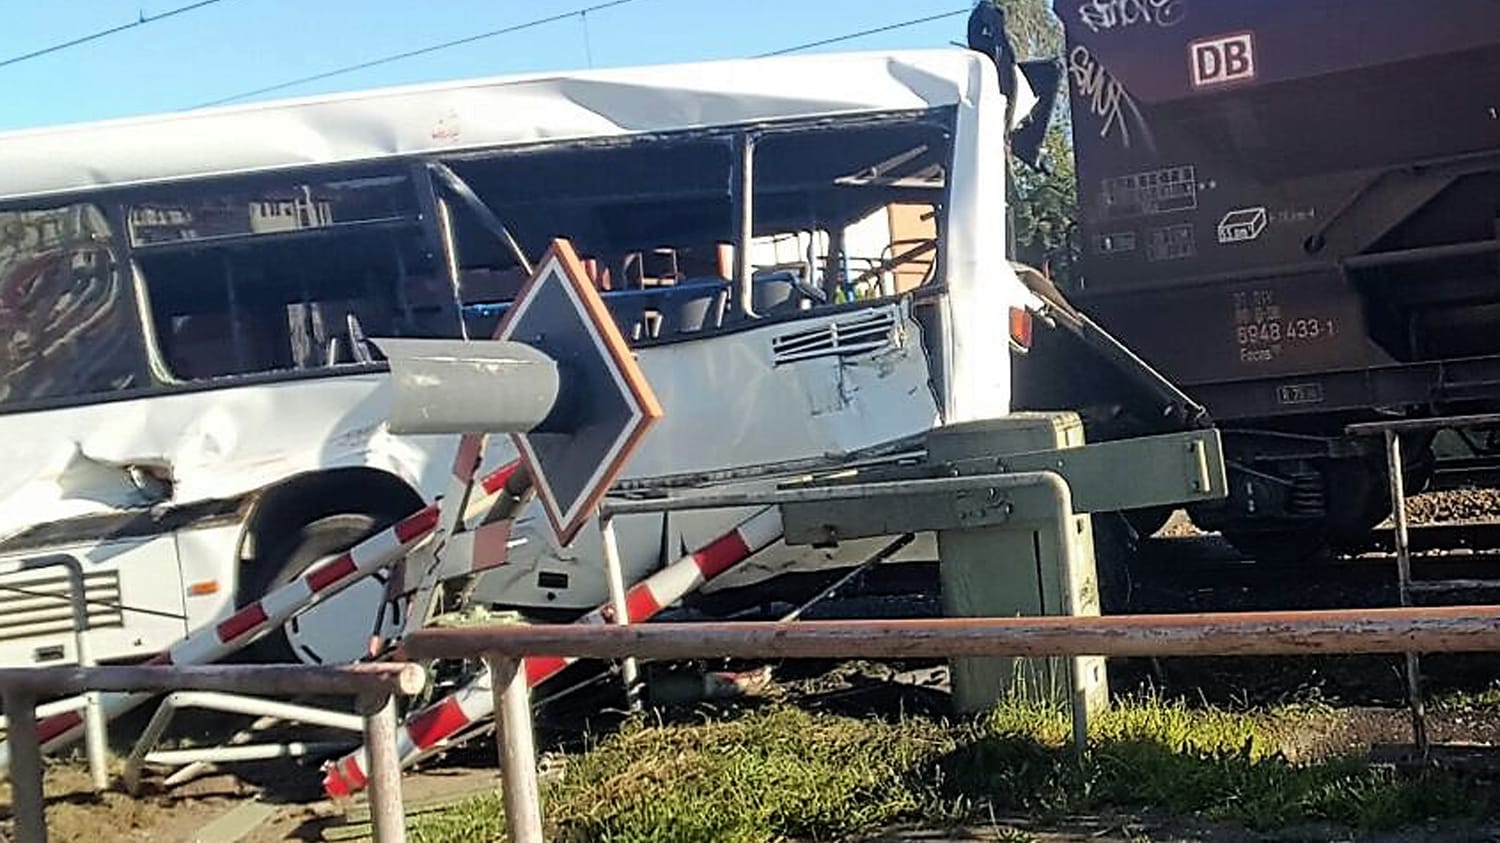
(1483, 700)
(782, 773)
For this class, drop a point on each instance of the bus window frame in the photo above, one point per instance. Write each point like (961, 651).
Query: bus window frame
(742, 137)
(419, 222)
(941, 119)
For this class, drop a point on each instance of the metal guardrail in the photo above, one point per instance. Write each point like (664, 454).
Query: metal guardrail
(373, 686)
(1404, 630)
(95, 737)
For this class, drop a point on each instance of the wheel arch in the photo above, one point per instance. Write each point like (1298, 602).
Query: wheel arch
(307, 497)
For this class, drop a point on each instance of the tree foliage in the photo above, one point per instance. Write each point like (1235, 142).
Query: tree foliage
(1034, 31)
(1045, 209)
(1044, 202)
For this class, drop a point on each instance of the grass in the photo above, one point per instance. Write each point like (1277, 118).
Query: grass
(782, 773)
(1483, 700)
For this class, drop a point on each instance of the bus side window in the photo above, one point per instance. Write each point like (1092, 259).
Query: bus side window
(847, 213)
(241, 282)
(646, 216)
(68, 327)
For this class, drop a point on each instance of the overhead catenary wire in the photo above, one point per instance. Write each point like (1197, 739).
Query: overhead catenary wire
(420, 51)
(140, 21)
(582, 14)
(850, 36)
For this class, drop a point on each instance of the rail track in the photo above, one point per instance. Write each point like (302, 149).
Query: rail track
(1457, 551)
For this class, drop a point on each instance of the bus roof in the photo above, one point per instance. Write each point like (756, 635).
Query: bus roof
(457, 116)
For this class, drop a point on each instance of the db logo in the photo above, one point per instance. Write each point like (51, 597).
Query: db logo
(1223, 59)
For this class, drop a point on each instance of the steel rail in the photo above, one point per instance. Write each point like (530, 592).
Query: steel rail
(357, 679)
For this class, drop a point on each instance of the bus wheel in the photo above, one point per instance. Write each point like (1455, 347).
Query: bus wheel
(336, 630)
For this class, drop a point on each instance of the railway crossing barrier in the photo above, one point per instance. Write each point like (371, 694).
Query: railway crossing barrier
(507, 649)
(573, 432)
(473, 702)
(986, 480)
(372, 685)
(967, 490)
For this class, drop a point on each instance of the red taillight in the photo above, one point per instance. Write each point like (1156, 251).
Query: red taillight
(1020, 327)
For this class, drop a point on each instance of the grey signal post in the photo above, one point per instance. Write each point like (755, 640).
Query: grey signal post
(558, 377)
(489, 386)
(561, 380)
(1009, 500)
(1009, 550)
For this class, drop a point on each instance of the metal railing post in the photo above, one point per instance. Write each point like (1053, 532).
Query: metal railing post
(370, 683)
(743, 190)
(387, 815)
(93, 716)
(1403, 574)
(517, 744)
(614, 573)
(26, 798)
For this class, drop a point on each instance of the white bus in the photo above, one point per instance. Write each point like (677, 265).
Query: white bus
(189, 406)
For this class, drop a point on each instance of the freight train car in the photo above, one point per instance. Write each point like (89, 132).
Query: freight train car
(1291, 208)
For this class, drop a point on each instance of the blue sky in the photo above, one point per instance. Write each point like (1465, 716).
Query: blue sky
(234, 46)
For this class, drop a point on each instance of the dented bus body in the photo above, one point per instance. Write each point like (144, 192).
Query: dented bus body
(806, 253)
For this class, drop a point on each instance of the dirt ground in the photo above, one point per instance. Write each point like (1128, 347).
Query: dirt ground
(75, 815)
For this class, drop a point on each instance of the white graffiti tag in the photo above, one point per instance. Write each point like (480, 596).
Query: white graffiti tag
(1101, 15)
(1107, 99)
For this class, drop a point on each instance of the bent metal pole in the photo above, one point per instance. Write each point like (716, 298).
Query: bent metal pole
(372, 683)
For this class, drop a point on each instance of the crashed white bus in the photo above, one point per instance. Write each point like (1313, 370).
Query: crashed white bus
(807, 254)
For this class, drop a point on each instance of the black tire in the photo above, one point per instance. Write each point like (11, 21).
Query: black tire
(287, 557)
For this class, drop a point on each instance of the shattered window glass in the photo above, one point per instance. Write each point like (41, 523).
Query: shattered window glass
(68, 326)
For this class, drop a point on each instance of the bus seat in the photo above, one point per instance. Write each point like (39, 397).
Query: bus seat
(775, 291)
(628, 307)
(703, 309)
